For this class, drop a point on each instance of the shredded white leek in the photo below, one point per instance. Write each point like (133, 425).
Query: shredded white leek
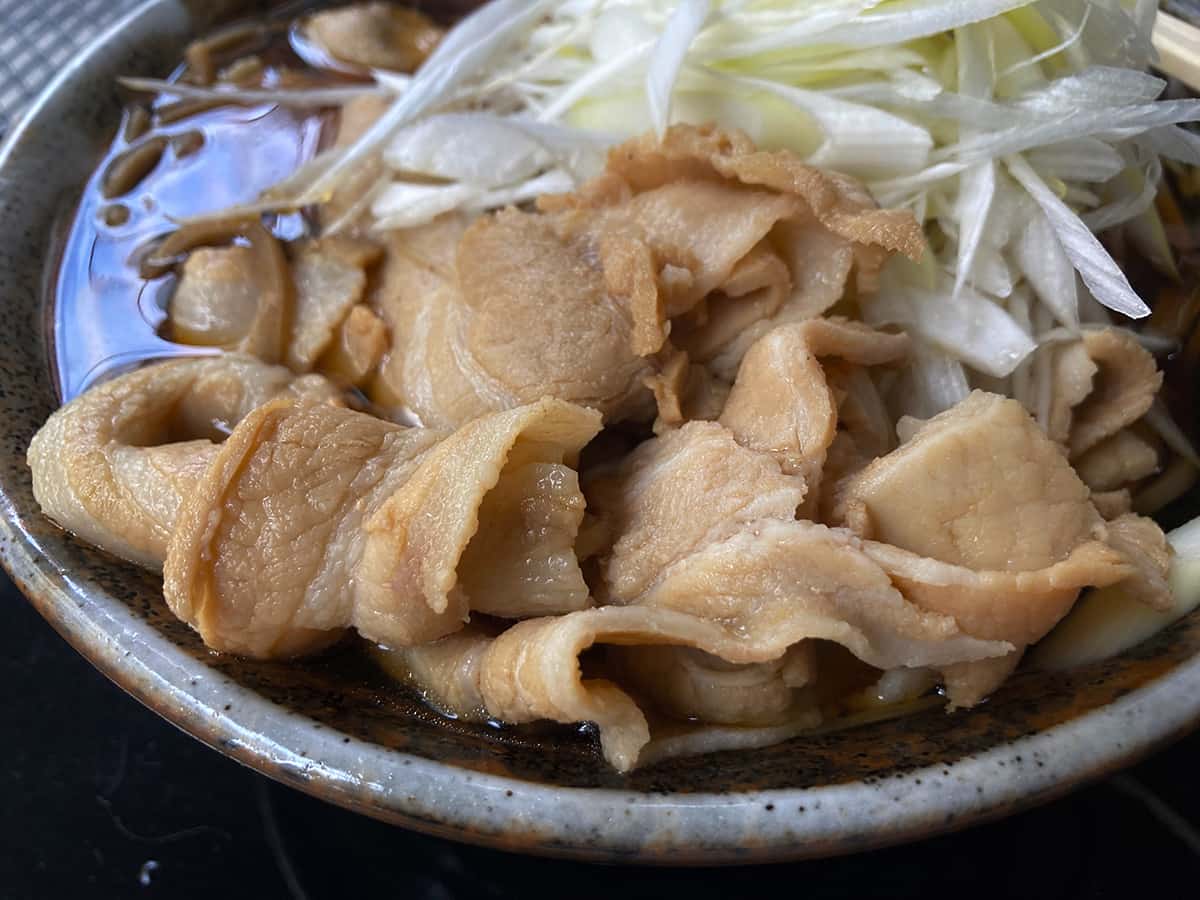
(306, 98)
(1014, 129)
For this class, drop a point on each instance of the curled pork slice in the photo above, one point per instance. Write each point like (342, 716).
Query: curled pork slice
(685, 392)
(358, 347)
(1126, 383)
(1117, 461)
(252, 299)
(681, 245)
(375, 35)
(1073, 375)
(1148, 551)
(115, 464)
(238, 297)
(834, 230)
(980, 517)
(776, 583)
(707, 153)
(330, 277)
(677, 493)
(761, 460)
(217, 297)
(1102, 384)
(691, 684)
(310, 521)
(782, 403)
(1014, 606)
(776, 587)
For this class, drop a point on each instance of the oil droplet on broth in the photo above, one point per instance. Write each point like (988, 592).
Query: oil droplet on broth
(106, 318)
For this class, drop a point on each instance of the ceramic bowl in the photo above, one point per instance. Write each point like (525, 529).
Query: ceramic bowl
(338, 730)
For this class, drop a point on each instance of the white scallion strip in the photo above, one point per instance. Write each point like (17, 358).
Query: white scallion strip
(1097, 87)
(1081, 159)
(463, 54)
(297, 98)
(683, 26)
(908, 20)
(980, 334)
(789, 34)
(853, 132)
(1133, 203)
(595, 78)
(404, 204)
(1109, 621)
(1102, 276)
(932, 383)
(1050, 52)
(1107, 124)
(490, 150)
(977, 185)
(1175, 143)
(1046, 266)
(1013, 129)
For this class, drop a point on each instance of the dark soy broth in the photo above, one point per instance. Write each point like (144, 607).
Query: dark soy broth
(106, 316)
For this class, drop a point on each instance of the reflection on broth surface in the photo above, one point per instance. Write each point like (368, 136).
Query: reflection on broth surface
(106, 317)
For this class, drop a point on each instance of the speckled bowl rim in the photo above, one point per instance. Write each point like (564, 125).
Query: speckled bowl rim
(598, 824)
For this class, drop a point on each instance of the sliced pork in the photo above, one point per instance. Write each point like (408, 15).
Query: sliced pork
(310, 521)
(115, 464)
(375, 35)
(980, 517)
(782, 402)
(1102, 384)
(679, 246)
(742, 602)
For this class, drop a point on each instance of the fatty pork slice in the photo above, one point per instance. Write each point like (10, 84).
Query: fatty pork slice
(1117, 462)
(692, 237)
(980, 517)
(744, 601)
(1148, 551)
(310, 521)
(532, 672)
(357, 349)
(330, 277)
(115, 464)
(677, 493)
(216, 299)
(761, 460)
(833, 231)
(221, 291)
(691, 684)
(782, 403)
(416, 279)
(375, 35)
(566, 304)
(778, 582)
(524, 313)
(541, 317)
(1102, 384)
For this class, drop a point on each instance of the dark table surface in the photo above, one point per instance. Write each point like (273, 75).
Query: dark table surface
(101, 798)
